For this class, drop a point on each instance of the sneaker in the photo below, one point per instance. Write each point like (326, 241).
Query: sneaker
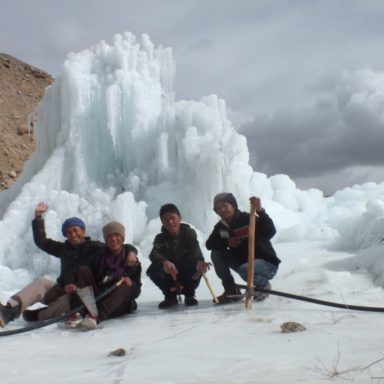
(229, 296)
(190, 301)
(260, 296)
(8, 313)
(168, 302)
(73, 321)
(89, 322)
(32, 314)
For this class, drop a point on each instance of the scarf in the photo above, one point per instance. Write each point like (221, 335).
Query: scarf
(115, 264)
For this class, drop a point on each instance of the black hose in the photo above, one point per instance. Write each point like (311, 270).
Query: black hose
(316, 301)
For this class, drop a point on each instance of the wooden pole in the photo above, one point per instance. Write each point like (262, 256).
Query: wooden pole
(215, 299)
(251, 258)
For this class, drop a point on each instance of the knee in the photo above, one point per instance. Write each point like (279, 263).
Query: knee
(45, 283)
(266, 269)
(83, 276)
(155, 271)
(63, 300)
(243, 271)
(217, 256)
(83, 270)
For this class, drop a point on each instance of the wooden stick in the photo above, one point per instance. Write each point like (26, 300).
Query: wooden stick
(251, 258)
(215, 299)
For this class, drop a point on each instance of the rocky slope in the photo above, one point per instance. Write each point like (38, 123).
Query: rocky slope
(22, 87)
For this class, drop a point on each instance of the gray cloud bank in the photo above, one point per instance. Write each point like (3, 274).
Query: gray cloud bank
(343, 132)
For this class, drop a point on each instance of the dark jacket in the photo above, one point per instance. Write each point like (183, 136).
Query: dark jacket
(70, 257)
(265, 230)
(108, 273)
(179, 250)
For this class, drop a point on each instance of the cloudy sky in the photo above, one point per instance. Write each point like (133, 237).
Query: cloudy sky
(302, 79)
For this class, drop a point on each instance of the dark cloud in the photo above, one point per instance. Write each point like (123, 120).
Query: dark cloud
(343, 132)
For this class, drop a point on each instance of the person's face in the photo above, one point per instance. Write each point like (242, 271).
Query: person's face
(225, 210)
(115, 242)
(171, 222)
(75, 235)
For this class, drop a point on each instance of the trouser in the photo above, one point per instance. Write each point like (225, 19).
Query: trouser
(186, 278)
(56, 308)
(116, 303)
(43, 291)
(222, 262)
(32, 293)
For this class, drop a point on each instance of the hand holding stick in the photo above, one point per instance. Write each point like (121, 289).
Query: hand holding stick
(215, 299)
(199, 273)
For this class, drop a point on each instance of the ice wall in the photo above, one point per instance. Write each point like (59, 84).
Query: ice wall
(114, 144)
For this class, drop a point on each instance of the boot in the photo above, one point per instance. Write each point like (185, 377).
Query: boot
(190, 300)
(73, 321)
(168, 302)
(89, 322)
(230, 295)
(8, 313)
(32, 314)
(132, 306)
(260, 296)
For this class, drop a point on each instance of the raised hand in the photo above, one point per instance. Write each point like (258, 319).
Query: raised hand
(41, 208)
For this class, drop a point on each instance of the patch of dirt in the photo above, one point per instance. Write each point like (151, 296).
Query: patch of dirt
(22, 87)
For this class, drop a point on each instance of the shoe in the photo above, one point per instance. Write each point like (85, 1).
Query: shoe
(230, 295)
(32, 314)
(260, 296)
(89, 322)
(168, 302)
(8, 313)
(190, 301)
(73, 321)
(132, 306)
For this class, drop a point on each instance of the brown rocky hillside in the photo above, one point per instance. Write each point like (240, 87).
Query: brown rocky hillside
(21, 89)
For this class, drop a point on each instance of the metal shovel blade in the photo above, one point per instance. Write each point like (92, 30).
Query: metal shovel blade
(88, 298)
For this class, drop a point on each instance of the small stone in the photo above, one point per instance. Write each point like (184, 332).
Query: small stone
(292, 326)
(22, 129)
(12, 174)
(118, 352)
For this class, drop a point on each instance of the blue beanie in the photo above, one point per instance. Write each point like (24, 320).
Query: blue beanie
(72, 222)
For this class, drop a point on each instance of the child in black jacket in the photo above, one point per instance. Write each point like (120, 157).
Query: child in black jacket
(229, 245)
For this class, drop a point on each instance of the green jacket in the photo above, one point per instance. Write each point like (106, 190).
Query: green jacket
(179, 250)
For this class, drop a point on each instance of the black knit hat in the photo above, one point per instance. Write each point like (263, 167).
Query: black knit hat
(224, 197)
(169, 208)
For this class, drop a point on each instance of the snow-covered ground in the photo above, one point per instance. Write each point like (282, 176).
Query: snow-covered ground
(114, 144)
(221, 344)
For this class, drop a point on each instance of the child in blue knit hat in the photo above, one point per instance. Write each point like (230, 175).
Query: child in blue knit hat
(75, 252)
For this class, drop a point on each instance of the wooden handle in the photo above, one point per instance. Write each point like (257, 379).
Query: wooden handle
(215, 299)
(251, 257)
